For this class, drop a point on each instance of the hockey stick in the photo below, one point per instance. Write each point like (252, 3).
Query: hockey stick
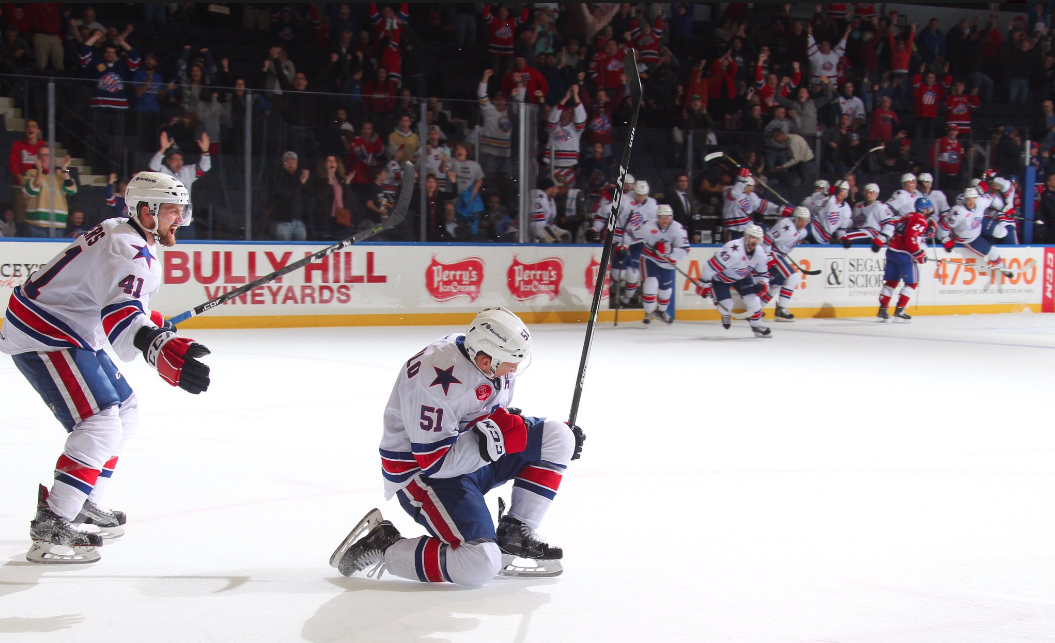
(987, 268)
(718, 155)
(717, 304)
(862, 160)
(394, 219)
(633, 81)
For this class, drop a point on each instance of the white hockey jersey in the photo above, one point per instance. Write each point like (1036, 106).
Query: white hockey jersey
(875, 216)
(732, 263)
(815, 202)
(964, 225)
(435, 157)
(94, 292)
(832, 218)
(543, 210)
(674, 238)
(737, 207)
(496, 137)
(903, 202)
(783, 236)
(632, 216)
(603, 210)
(564, 139)
(940, 201)
(438, 396)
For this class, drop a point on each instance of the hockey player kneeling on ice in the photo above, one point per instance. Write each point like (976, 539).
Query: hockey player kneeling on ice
(905, 250)
(964, 224)
(449, 438)
(779, 241)
(742, 265)
(666, 243)
(94, 292)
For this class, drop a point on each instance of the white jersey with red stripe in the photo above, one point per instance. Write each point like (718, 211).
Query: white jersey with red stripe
(732, 263)
(873, 216)
(96, 291)
(603, 209)
(439, 395)
(738, 206)
(963, 224)
(543, 210)
(1001, 198)
(815, 202)
(903, 202)
(674, 239)
(940, 201)
(632, 217)
(832, 217)
(564, 139)
(783, 236)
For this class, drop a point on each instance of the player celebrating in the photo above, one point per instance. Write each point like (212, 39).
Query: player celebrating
(870, 217)
(666, 243)
(905, 250)
(779, 241)
(903, 202)
(741, 202)
(741, 264)
(633, 214)
(815, 201)
(963, 224)
(449, 439)
(57, 324)
(1001, 210)
(604, 206)
(832, 218)
(936, 197)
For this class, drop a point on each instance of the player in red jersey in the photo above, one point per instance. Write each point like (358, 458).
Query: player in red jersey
(904, 251)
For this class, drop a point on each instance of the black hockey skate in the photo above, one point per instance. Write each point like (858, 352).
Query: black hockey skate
(727, 322)
(663, 316)
(364, 547)
(56, 540)
(882, 315)
(518, 541)
(761, 331)
(647, 320)
(899, 313)
(783, 315)
(109, 522)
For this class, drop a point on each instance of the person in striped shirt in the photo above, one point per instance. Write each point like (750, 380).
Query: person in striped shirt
(565, 127)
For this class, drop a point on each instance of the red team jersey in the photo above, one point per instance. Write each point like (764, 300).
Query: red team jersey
(908, 233)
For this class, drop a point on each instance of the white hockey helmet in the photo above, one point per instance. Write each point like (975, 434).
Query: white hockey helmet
(872, 187)
(842, 185)
(154, 189)
(628, 179)
(500, 334)
(970, 193)
(925, 177)
(801, 213)
(641, 187)
(905, 178)
(747, 180)
(976, 182)
(664, 210)
(822, 184)
(755, 231)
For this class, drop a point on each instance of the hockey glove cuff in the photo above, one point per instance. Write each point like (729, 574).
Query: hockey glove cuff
(500, 433)
(704, 290)
(175, 358)
(158, 320)
(761, 288)
(621, 252)
(580, 437)
(877, 244)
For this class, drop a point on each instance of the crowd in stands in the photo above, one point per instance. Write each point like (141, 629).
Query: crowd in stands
(343, 94)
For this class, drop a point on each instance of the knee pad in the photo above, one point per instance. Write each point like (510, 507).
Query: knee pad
(752, 303)
(94, 440)
(650, 286)
(474, 564)
(793, 281)
(558, 442)
(994, 255)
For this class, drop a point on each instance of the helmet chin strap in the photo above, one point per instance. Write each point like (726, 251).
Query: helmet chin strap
(154, 230)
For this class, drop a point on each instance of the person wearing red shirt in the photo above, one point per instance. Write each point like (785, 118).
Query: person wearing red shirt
(928, 96)
(884, 120)
(606, 68)
(501, 30)
(535, 84)
(365, 154)
(768, 88)
(959, 106)
(23, 157)
(949, 158)
(599, 116)
(379, 99)
(646, 39)
(46, 20)
(388, 32)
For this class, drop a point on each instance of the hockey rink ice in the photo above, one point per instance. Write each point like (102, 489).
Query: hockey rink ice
(844, 481)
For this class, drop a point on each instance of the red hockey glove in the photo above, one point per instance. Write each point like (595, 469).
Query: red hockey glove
(621, 252)
(787, 211)
(877, 244)
(761, 288)
(500, 433)
(175, 358)
(920, 257)
(948, 244)
(745, 172)
(704, 290)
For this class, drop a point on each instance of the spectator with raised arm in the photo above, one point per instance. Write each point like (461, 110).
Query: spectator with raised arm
(115, 197)
(501, 30)
(46, 195)
(22, 158)
(496, 136)
(169, 160)
(535, 85)
(109, 102)
(824, 60)
(288, 208)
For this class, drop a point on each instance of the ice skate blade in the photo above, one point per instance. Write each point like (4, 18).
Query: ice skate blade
(43, 553)
(899, 320)
(782, 320)
(369, 521)
(541, 567)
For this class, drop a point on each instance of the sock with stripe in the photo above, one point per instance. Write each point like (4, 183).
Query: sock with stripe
(536, 484)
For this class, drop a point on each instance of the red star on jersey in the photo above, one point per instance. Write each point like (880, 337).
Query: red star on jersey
(445, 377)
(144, 253)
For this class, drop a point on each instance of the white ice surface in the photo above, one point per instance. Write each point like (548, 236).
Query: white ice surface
(842, 482)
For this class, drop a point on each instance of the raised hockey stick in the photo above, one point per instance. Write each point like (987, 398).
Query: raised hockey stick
(862, 160)
(633, 81)
(398, 214)
(719, 155)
